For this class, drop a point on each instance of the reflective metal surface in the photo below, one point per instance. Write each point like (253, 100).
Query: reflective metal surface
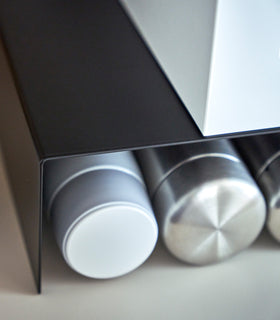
(208, 208)
(158, 163)
(59, 172)
(262, 155)
(259, 151)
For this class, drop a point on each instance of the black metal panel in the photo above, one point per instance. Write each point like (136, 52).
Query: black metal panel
(23, 166)
(87, 80)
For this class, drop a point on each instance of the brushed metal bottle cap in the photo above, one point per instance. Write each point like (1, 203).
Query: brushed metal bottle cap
(212, 220)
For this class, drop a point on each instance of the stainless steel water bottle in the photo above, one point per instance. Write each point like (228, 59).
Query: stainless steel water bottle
(262, 155)
(207, 204)
(101, 213)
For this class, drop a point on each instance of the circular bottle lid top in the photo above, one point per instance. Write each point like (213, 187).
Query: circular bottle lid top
(110, 241)
(214, 221)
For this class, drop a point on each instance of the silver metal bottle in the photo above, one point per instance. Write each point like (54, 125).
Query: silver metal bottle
(207, 204)
(262, 155)
(101, 213)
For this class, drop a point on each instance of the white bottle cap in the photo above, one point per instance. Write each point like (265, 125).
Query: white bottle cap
(104, 223)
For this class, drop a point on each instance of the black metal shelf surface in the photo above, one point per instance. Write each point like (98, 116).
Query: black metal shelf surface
(86, 79)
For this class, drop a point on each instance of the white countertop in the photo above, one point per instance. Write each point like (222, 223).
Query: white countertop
(246, 286)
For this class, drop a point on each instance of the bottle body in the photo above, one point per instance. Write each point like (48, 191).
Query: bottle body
(100, 212)
(207, 204)
(262, 155)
